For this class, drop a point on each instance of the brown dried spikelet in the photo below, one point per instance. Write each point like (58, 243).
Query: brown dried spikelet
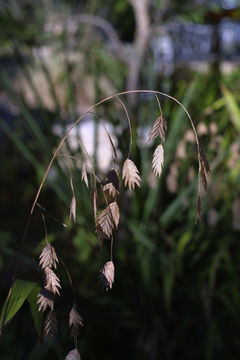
(50, 324)
(111, 189)
(73, 355)
(109, 219)
(75, 320)
(52, 281)
(106, 277)
(158, 159)
(131, 174)
(45, 299)
(48, 257)
(159, 129)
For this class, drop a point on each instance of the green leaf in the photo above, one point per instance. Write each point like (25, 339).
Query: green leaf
(36, 314)
(20, 291)
(232, 106)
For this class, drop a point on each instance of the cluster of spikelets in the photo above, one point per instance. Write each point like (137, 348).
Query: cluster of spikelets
(106, 222)
(48, 261)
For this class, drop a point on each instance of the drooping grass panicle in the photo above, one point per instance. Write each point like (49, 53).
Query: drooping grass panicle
(130, 174)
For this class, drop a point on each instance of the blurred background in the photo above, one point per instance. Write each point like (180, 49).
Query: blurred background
(177, 283)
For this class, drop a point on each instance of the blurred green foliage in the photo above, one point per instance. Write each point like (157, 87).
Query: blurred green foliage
(176, 292)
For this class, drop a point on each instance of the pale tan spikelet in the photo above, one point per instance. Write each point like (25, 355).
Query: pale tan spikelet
(48, 257)
(106, 276)
(52, 281)
(158, 158)
(75, 320)
(73, 209)
(45, 299)
(84, 174)
(115, 213)
(159, 129)
(73, 355)
(111, 189)
(105, 221)
(109, 219)
(50, 324)
(131, 174)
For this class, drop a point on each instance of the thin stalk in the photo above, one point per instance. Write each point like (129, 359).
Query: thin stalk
(129, 125)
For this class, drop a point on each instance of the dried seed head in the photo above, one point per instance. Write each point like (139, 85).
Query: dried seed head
(75, 321)
(48, 257)
(45, 299)
(52, 281)
(108, 219)
(50, 324)
(131, 174)
(73, 355)
(159, 129)
(158, 158)
(106, 277)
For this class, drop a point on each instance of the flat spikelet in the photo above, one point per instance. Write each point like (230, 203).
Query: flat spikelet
(73, 355)
(158, 158)
(115, 213)
(159, 129)
(106, 277)
(48, 257)
(50, 324)
(75, 321)
(45, 299)
(131, 174)
(52, 281)
(109, 219)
